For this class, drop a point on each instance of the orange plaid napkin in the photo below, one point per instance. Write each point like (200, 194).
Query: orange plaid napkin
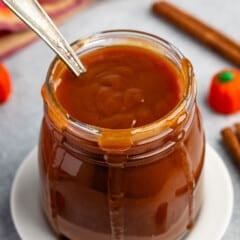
(14, 34)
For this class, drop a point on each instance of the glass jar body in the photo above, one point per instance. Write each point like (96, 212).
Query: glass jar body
(152, 190)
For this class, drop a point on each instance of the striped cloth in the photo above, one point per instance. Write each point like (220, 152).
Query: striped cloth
(14, 34)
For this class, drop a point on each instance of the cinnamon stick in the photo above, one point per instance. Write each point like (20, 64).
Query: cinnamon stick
(207, 35)
(237, 126)
(231, 141)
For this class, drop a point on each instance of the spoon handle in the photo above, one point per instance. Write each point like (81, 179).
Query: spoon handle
(30, 12)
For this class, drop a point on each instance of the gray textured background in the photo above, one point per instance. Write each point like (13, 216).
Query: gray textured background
(20, 117)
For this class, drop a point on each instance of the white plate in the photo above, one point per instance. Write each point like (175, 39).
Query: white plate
(211, 225)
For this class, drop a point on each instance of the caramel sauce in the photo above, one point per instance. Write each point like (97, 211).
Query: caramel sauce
(124, 87)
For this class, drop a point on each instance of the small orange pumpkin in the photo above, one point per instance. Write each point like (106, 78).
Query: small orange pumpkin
(5, 84)
(224, 93)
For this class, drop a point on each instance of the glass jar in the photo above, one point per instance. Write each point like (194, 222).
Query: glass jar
(134, 184)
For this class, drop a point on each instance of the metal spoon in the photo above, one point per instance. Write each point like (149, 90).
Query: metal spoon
(31, 12)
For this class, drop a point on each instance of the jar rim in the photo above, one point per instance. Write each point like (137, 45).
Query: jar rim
(140, 133)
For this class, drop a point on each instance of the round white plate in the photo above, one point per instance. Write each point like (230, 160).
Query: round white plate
(211, 225)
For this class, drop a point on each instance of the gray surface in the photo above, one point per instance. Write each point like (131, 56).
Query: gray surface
(20, 117)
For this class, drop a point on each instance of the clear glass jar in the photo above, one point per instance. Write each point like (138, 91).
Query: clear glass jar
(140, 183)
